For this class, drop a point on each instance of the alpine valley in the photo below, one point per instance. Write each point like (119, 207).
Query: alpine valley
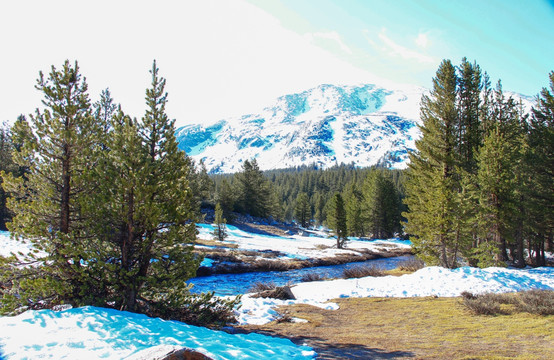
(327, 125)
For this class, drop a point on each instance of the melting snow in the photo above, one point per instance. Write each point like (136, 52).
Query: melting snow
(429, 281)
(97, 333)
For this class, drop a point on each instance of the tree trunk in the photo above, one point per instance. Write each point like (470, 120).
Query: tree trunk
(66, 188)
(130, 299)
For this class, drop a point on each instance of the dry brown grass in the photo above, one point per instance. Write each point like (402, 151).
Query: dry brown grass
(415, 328)
(538, 302)
(363, 271)
(411, 265)
(216, 243)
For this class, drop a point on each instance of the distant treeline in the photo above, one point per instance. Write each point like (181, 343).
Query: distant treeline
(372, 196)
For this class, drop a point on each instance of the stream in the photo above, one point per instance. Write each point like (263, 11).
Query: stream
(235, 284)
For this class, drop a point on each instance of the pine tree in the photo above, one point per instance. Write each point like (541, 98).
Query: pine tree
(431, 183)
(499, 179)
(202, 185)
(354, 212)
(56, 147)
(320, 209)
(302, 209)
(6, 165)
(162, 260)
(226, 197)
(382, 205)
(540, 157)
(468, 124)
(254, 191)
(495, 187)
(336, 219)
(142, 219)
(220, 230)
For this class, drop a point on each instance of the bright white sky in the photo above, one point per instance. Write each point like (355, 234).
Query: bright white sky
(220, 57)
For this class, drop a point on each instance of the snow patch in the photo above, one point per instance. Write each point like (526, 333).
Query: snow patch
(97, 333)
(429, 281)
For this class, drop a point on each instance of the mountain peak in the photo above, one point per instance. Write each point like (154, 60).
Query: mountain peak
(329, 124)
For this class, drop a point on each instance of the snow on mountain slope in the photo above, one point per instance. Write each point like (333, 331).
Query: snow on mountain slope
(326, 125)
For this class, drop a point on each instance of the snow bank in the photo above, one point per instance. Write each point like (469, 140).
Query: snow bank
(97, 333)
(311, 245)
(430, 281)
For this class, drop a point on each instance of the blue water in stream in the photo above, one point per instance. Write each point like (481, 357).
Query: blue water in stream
(234, 284)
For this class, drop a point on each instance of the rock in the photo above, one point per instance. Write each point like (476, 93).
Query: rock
(169, 352)
(280, 292)
(184, 354)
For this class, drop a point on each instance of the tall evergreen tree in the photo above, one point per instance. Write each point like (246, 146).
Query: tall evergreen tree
(143, 219)
(163, 261)
(431, 182)
(56, 146)
(254, 191)
(499, 180)
(226, 197)
(336, 219)
(203, 187)
(104, 110)
(354, 211)
(540, 157)
(302, 209)
(382, 205)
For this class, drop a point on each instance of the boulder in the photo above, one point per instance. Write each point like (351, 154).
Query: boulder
(184, 354)
(168, 352)
(280, 292)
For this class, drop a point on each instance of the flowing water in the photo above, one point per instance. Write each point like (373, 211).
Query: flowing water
(234, 284)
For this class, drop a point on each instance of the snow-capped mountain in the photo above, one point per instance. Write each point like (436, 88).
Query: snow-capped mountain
(326, 125)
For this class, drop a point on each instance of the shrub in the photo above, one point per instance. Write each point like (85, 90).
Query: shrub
(274, 265)
(411, 265)
(198, 309)
(363, 271)
(539, 302)
(485, 304)
(259, 287)
(468, 295)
